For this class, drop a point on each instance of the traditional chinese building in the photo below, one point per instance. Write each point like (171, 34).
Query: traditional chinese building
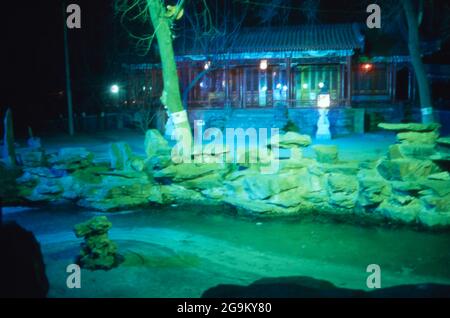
(265, 77)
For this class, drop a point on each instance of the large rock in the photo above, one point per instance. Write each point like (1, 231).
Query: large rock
(186, 171)
(71, 159)
(445, 141)
(409, 126)
(119, 154)
(417, 151)
(326, 153)
(401, 208)
(406, 169)
(122, 158)
(291, 139)
(155, 144)
(434, 219)
(33, 157)
(260, 186)
(97, 251)
(95, 226)
(343, 190)
(117, 192)
(412, 137)
(212, 180)
(174, 193)
(373, 189)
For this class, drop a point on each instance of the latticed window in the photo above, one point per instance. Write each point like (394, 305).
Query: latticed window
(370, 82)
(310, 80)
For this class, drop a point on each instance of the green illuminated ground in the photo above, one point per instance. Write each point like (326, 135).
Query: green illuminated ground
(182, 251)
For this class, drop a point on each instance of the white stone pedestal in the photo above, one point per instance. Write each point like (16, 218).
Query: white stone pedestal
(323, 125)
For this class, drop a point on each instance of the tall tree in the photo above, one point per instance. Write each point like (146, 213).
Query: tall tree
(162, 20)
(414, 19)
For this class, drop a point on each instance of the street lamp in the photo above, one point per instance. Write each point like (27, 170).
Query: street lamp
(114, 89)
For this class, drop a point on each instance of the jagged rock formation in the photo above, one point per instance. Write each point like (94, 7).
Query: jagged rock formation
(410, 184)
(97, 251)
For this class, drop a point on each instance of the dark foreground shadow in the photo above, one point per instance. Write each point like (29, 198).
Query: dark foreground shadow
(307, 287)
(22, 269)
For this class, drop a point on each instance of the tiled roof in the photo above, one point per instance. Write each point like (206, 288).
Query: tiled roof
(299, 38)
(284, 39)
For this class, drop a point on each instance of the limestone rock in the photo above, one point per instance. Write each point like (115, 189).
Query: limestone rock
(116, 192)
(72, 159)
(155, 143)
(409, 126)
(291, 139)
(185, 171)
(260, 186)
(406, 187)
(181, 195)
(440, 187)
(33, 158)
(207, 181)
(445, 176)
(119, 154)
(373, 189)
(406, 169)
(444, 141)
(434, 219)
(404, 209)
(326, 153)
(343, 190)
(412, 137)
(417, 151)
(97, 251)
(96, 226)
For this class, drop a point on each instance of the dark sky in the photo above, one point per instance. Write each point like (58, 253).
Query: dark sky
(33, 70)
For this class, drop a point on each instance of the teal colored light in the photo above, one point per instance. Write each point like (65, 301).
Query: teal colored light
(114, 89)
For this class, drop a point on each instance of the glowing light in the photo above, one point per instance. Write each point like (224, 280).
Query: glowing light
(202, 84)
(207, 65)
(278, 86)
(143, 88)
(114, 89)
(305, 86)
(323, 100)
(263, 65)
(285, 87)
(264, 88)
(321, 85)
(367, 67)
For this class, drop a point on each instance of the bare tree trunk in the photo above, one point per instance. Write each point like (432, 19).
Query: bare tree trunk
(412, 19)
(171, 97)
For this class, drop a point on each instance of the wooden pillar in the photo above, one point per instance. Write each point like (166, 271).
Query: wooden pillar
(289, 81)
(226, 77)
(244, 87)
(341, 81)
(349, 81)
(394, 81)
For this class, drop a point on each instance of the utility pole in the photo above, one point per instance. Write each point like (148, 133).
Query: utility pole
(67, 67)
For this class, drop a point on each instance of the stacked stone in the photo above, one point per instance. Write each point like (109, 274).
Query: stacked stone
(292, 141)
(420, 184)
(97, 251)
(122, 158)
